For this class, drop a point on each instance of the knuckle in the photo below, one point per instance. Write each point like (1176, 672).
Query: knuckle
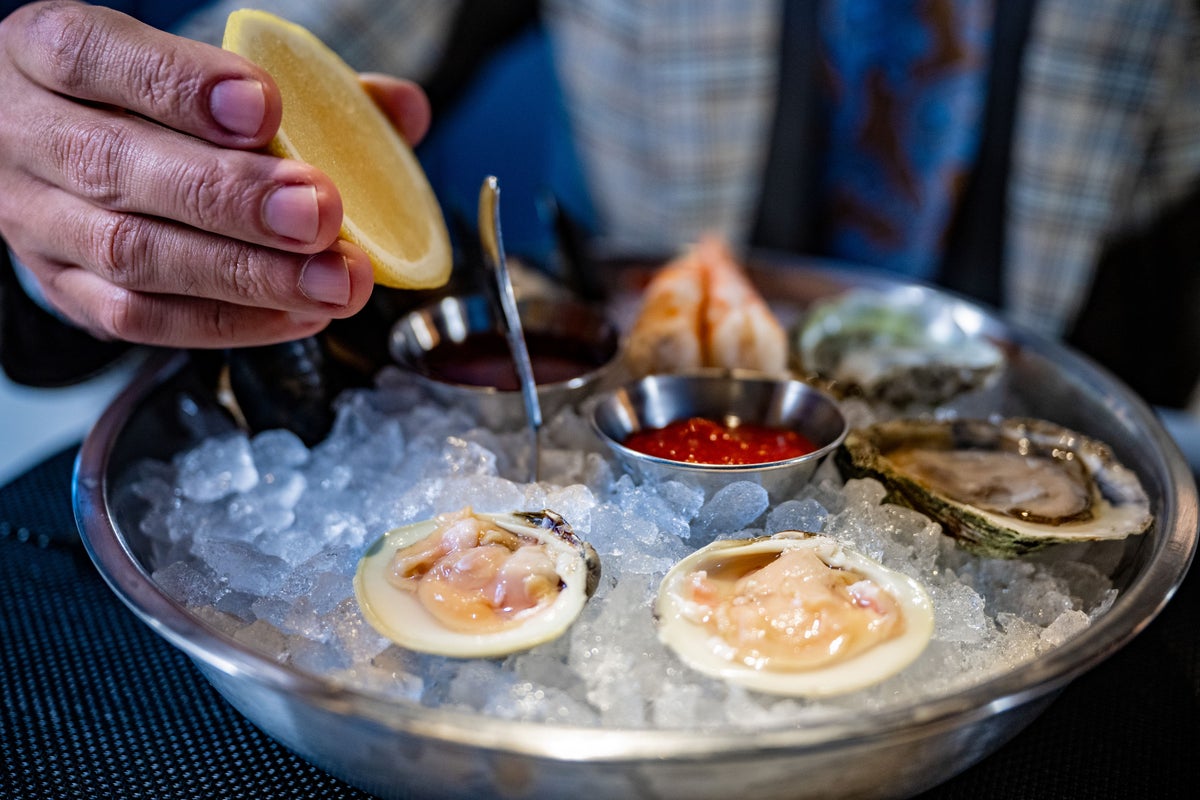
(121, 244)
(200, 190)
(223, 323)
(164, 84)
(154, 75)
(89, 154)
(236, 273)
(210, 194)
(80, 50)
(119, 316)
(243, 276)
(244, 273)
(132, 316)
(71, 41)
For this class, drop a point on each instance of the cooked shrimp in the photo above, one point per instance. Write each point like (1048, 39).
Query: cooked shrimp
(666, 336)
(741, 331)
(700, 310)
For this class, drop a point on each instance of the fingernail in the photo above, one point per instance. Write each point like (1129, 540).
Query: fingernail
(326, 279)
(291, 212)
(238, 105)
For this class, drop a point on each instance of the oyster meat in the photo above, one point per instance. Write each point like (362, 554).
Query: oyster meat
(471, 585)
(1001, 487)
(794, 614)
(904, 346)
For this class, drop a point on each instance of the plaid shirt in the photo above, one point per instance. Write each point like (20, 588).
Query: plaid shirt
(672, 100)
(1107, 132)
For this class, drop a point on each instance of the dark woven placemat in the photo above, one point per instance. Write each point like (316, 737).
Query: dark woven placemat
(93, 704)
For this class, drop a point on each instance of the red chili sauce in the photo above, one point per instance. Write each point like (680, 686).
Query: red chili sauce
(704, 441)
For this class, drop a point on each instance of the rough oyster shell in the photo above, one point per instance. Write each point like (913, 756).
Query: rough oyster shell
(1003, 487)
(410, 584)
(845, 625)
(902, 347)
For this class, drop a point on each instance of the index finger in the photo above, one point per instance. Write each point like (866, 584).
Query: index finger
(103, 56)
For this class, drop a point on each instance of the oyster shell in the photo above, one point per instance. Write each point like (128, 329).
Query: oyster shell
(793, 614)
(1003, 487)
(472, 585)
(905, 346)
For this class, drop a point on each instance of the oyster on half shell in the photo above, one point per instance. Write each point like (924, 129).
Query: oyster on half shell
(1003, 487)
(471, 585)
(903, 346)
(795, 614)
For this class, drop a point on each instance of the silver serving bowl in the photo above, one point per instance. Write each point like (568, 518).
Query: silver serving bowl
(437, 341)
(398, 749)
(728, 396)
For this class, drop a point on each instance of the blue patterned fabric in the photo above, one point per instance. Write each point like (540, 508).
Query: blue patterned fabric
(906, 84)
(511, 123)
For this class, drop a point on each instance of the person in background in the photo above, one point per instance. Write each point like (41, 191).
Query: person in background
(1042, 156)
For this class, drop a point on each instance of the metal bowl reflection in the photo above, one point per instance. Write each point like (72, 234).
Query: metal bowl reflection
(658, 400)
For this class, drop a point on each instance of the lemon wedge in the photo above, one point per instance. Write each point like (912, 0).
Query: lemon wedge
(329, 121)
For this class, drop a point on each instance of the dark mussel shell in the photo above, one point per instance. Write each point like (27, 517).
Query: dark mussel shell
(293, 384)
(288, 385)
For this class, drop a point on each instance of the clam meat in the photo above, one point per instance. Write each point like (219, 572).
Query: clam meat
(904, 346)
(471, 585)
(795, 614)
(1002, 487)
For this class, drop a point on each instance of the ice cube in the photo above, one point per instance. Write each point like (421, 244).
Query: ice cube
(797, 515)
(461, 457)
(188, 585)
(959, 613)
(242, 566)
(1068, 624)
(317, 657)
(264, 637)
(278, 449)
(730, 509)
(216, 468)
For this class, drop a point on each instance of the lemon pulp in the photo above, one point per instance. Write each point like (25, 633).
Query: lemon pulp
(331, 122)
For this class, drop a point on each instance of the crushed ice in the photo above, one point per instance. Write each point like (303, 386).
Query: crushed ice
(260, 538)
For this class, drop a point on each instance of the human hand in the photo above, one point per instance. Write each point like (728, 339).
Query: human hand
(132, 186)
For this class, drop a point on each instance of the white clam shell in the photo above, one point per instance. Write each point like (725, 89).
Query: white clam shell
(400, 616)
(708, 654)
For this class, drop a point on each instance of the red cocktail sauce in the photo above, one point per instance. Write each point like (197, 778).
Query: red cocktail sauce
(704, 441)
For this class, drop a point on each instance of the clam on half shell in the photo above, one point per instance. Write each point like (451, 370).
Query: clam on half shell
(1002, 487)
(794, 614)
(470, 585)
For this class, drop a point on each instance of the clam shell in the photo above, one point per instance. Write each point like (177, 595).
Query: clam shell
(400, 616)
(709, 654)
